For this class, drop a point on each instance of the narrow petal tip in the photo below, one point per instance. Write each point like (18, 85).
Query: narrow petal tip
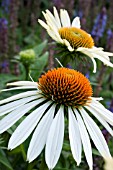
(9, 148)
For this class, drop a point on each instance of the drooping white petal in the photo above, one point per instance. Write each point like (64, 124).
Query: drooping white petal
(74, 137)
(85, 139)
(106, 114)
(18, 96)
(108, 53)
(13, 105)
(43, 24)
(55, 139)
(40, 135)
(87, 52)
(99, 50)
(68, 45)
(15, 115)
(103, 59)
(19, 88)
(26, 127)
(96, 53)
(57, 17)
(96, 134)
(22, 83)
(76, 22)
(101, 54)
(84, 50)
(94, 64)
(65, 19)
(100, 118)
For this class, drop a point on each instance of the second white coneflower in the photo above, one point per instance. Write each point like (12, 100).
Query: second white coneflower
(72, 36)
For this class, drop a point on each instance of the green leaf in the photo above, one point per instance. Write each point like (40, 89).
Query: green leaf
(106, 94)
(95, 152)
(4, 78)
(39, 48)
(31, 39)
(4, 160)
(38, 66)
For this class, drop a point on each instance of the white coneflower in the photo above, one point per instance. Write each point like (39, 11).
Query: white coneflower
(59, 92)
(72, 36)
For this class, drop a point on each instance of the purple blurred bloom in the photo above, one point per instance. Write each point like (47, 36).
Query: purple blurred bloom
(3, 23)
(99, 24)
(3, 37)
(5, 64)
(68, 66)
(5, 5)
(109, 33)
(106, 135)
(108, 104)
(87, 75)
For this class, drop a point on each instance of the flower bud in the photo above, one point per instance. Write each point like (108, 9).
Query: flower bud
(27, 56)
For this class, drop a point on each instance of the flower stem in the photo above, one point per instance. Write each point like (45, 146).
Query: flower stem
(43, 165)
(27, 71)
(23, 152)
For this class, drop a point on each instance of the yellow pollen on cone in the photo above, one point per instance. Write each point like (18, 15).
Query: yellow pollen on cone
(76, 37)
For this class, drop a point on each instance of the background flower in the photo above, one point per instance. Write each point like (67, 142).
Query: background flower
(72, 36)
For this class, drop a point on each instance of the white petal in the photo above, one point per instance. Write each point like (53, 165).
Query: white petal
(19, 88)
(68, 45)
(26, 127)
(85, 139)
(96, 134)
(22, 83)
(94, 64)
(18, 96)
(54, 35)
(100, 118)
(106, 114)
(108, 163)
(65, 18)
(108, 53)
(15, 115)
(96, 53)
(84, 50)
(57, 17)
(43, 24)
(13, 105)
(50, 19)
(40, 135)
(103, 59)
(53, 19)
(76, 22)
(96, 98)
(100, 50)
(87, 52)
(74, 137)
(55, 139)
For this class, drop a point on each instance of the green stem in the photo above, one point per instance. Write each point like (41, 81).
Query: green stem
(31, 165)
(27, 71)
(23, 152)
(43, 165)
